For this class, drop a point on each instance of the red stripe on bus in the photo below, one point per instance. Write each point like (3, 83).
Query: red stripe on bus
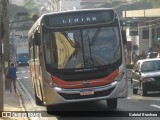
(79, 84)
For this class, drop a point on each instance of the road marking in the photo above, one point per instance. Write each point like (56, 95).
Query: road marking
(129, 98)
(23, 72)
(139, 97)
(157, 106)
(26, 77)
(19, 78)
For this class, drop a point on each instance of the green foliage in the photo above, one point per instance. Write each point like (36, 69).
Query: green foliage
(129, 66)
(155, 3)
(13, 9)
(32, 7)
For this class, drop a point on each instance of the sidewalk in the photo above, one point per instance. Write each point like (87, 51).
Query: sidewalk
(12, 103)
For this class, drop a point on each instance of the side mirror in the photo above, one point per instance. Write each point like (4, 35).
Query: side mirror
(37, 39)
(124, 37)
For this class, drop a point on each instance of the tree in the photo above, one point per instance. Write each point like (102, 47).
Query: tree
(2, 30)
(33, 8)
(13, 9)
(155, 3)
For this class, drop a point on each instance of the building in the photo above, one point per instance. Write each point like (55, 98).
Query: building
(147, 37)
(3, 42)
(17, 2)
(70, 4)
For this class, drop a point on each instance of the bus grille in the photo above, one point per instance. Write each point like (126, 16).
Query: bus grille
(78, 96)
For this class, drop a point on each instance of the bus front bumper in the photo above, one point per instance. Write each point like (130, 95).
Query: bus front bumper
(113, 90)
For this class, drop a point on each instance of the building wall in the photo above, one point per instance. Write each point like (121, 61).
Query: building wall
(143, 43)
(143, 17)
(17, 2)
(70, 4)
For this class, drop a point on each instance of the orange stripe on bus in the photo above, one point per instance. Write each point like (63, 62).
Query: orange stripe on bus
(79, 84)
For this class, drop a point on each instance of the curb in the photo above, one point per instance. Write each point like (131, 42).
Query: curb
(32, 102)
(21, 102)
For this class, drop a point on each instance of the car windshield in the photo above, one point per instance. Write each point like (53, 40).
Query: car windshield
(150, 66)
(82, 48)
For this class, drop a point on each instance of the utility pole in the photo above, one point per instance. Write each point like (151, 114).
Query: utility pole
(1, 69)
(3, 13)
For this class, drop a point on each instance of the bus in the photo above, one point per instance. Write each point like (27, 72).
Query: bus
(78, 56)
(22, 55)
(22, 59)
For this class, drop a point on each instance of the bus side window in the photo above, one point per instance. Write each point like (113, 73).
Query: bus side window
(31, 50)
(50, 41)
(37, 38)
(47, 49)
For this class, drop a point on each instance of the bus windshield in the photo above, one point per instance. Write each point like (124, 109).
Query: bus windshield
(82, 48)
(23, 55)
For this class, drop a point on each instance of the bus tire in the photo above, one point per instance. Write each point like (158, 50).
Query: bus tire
(143, 92)
(135, 91)
(49, 109)
(112, 103)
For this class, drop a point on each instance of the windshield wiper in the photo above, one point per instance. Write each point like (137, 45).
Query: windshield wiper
(69, 40)
(95, 36)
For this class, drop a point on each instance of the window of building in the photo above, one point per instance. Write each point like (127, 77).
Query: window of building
(145, 34)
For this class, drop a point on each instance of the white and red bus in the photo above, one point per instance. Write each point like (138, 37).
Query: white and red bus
(78, 56)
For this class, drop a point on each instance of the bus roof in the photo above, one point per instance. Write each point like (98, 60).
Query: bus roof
(37, 23)
(78, 10)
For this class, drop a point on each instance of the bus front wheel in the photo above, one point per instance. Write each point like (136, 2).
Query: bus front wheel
(49, 109)
(112, 103)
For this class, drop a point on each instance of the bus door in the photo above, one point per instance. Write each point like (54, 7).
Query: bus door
(32, 60)
(38, 75)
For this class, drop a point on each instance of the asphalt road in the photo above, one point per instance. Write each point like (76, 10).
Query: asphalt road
(131, 104)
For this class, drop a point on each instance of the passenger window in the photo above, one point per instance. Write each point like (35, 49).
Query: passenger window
(148, 66)
(135, 67)
(138, 66)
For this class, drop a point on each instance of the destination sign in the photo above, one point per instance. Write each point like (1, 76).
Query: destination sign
(79, 18)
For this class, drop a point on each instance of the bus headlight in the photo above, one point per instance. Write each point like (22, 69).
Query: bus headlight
(52, 84)
(120, 75)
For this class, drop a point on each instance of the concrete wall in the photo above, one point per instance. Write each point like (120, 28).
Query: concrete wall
(17, 2)
(70, 4)
(143, 13)
(143, 43)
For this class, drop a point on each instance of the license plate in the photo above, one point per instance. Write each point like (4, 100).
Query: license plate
(88, 92)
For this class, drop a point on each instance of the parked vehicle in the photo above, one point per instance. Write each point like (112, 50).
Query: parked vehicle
(146, 76)
(153, 55)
